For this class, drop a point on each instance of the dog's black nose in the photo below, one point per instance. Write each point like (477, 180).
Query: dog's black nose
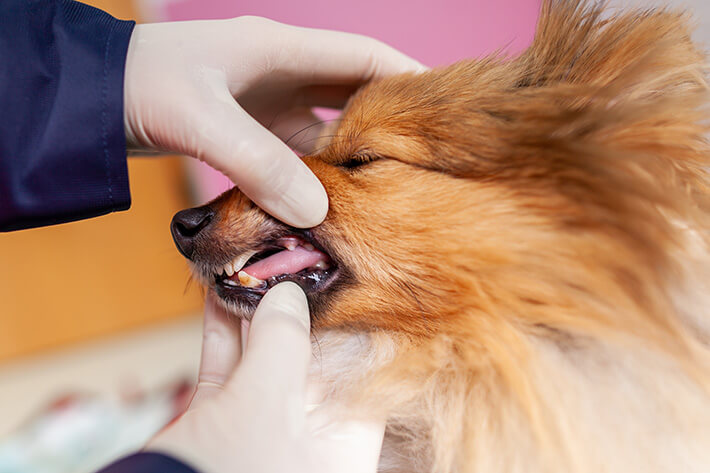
(186, 225)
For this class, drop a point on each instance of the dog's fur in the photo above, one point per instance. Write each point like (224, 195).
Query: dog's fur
(526, 258)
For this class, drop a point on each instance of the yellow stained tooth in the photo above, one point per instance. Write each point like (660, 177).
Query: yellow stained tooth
(309, 247)
(248, 280)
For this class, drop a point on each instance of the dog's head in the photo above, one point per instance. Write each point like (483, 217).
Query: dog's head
(514, 189)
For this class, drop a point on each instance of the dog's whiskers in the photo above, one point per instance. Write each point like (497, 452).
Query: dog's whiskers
(287, 141)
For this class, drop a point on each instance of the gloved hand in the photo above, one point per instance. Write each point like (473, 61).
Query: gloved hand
(249, 413)
(182, 80)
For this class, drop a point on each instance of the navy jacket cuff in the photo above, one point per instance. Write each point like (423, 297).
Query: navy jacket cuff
(148, 463)
(113, 131)
(62, 137)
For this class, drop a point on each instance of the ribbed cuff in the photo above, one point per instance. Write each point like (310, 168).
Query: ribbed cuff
(113, 129)
(113, 133)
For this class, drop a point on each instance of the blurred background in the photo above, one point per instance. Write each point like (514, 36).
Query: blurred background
(99, 332)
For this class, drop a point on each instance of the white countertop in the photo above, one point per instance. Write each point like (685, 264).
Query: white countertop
(141, 360)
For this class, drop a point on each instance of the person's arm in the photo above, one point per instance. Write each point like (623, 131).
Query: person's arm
(148, 462)
(62, 140)
(76, 85)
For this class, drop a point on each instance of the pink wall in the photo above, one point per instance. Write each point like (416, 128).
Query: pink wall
(435, 32)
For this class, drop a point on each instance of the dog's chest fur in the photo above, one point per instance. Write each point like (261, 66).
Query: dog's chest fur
(617, 406)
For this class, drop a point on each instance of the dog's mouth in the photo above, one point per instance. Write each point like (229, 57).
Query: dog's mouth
(294, 257)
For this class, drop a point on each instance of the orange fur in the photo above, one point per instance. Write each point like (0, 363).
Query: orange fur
(527, 253)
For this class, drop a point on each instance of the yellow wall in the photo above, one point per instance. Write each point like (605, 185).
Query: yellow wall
(72, 282)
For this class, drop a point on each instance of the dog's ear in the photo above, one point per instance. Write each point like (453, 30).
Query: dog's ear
(583, 42)
(595, 83)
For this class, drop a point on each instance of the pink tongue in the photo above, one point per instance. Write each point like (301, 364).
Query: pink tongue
(285, 262)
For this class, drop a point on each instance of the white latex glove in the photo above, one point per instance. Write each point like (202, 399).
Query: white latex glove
(182, 80)
(249, 413)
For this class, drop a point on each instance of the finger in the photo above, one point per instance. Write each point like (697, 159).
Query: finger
(259, 163)
(336, 57)
(221, 350)
(279, 348)
(347, 445)
(328, 96)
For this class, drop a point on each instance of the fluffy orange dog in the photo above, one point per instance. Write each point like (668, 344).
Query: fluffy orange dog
(515, 267)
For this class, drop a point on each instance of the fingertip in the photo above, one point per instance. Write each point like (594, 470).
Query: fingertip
(264, 168)
(310, 208)
(284, 299)
(419, 68)
(303, 203)
(392, 61)
(279, 340)
(409, 64)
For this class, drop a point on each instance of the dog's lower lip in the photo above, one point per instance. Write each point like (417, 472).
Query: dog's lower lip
(311, 282)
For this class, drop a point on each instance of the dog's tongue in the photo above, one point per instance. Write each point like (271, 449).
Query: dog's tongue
(285, 262)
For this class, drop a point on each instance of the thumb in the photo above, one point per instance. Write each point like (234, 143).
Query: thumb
(259, 163)
(278, 348)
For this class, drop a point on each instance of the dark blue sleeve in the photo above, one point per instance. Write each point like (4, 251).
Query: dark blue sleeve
(62, 138)
(148, 463)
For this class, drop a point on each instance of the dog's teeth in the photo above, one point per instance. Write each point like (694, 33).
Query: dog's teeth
(290, 243)
(248, 280)
(309, 247)
(238, 263)
(321, 265)
(228, 269)
(229, 282)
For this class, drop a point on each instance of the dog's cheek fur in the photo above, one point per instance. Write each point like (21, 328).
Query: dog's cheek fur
(415, 243)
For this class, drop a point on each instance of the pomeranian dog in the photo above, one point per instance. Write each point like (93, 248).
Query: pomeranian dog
(515, 267)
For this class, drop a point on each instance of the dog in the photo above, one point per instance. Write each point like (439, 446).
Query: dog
(515, 266)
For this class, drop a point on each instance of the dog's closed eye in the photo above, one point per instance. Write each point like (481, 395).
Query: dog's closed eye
(357, 161)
